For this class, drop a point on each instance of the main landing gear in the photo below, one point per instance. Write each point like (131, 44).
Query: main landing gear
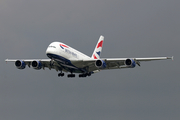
(85, 75)
(61, 74)
(71, 75)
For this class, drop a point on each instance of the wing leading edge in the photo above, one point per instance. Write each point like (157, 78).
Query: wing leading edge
(45, 63)
(114, 63)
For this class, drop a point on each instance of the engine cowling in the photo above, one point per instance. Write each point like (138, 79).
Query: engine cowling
(100, 64)
(36, 65)
(20, 64)
(130, 63)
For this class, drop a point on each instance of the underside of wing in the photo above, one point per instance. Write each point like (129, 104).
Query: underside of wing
(36, 64)
(112, 63)
(93, 65)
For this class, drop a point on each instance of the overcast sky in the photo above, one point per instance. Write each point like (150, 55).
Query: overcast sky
(132, 28)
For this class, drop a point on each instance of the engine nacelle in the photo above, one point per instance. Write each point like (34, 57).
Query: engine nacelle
(100, 64)
(130, 63)
(36, 65)
(20, 64)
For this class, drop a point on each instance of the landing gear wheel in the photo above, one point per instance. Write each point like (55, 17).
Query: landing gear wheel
(60, 74)
(71, 75)
(88, 74)
(82, 75)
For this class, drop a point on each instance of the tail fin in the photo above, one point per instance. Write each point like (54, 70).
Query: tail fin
(98, 48)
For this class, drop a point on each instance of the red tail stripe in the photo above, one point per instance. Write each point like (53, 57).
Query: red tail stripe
(94, 56)
(100, 44)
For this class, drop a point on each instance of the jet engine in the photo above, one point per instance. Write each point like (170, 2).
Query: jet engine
(130, 63)
(100, 64)
(36, 65)
(20, 64)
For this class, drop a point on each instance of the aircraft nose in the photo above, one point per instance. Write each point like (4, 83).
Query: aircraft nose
(49, 51)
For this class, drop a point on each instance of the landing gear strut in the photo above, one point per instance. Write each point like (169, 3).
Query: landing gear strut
(71, 75)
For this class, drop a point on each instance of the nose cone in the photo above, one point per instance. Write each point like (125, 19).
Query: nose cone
(50, 50)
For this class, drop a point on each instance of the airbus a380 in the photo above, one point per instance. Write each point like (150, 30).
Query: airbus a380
(64, 58)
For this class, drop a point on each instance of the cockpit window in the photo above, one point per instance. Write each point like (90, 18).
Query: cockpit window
(52, 47)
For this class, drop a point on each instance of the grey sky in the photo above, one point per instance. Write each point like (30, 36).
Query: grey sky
(131, 29)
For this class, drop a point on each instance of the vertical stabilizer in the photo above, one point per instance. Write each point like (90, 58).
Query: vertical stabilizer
(97, 51)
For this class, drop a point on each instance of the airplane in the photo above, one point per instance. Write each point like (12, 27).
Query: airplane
(64, 58)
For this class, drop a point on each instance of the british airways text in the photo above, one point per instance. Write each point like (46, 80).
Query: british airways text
(72, 53)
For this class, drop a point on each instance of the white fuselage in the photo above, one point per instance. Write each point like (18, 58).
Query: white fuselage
(62, 50)
(63, 54)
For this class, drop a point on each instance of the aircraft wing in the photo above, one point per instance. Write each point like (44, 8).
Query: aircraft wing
(88, 64)
(120, 62)
(113, 63)
(45, 63)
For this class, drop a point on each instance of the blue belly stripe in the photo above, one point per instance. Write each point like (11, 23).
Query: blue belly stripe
(65, 62)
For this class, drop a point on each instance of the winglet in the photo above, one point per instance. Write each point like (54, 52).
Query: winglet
(6, 60)
(171, 57)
